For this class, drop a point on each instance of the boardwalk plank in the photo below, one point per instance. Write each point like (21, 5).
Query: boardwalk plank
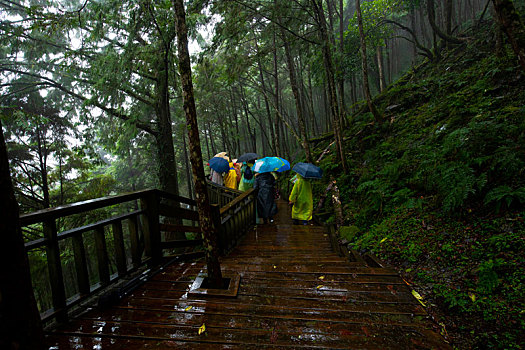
(294, 293)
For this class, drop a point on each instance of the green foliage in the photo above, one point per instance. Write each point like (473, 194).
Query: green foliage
(439, 192)
(504, 195)
(348, 232)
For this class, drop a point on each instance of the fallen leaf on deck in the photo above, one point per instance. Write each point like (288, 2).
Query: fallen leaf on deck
(320, 286)
(188, 308)
(321, 277)
(202, 329)
(418, 297)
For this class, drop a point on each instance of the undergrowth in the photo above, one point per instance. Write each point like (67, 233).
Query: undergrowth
(438, 190)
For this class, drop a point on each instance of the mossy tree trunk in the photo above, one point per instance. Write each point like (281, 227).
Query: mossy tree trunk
(513, 27)
(168, 177)
(209, 234)
(277, 144)
(297, 98)
(20, 325)
(330, 77)
(364, 65)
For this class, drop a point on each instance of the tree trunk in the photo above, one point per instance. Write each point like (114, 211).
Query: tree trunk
(413, 27)
(167, 167)
(187, 166)
(244, 102)
(42, 160)
(297, 99)
(277, 140)
(513, 27)
(382, 83)
(271, 142)
(315, 127)
(201, 192)
(341, 78)
(448, 17)
(329, 69)
(20, 325)
(364, 65)
(214, 149)
(432, 20)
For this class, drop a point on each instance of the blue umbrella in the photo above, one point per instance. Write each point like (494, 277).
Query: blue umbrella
(247, 157)
(308, 171)
(219, 164)
(268, 164)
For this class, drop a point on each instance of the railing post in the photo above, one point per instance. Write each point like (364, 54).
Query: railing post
(79, 253)
(120, 253)
(150, 203)
(55, 270)
(136, 251)
(102, 255)
(217, 222)
(253, 208)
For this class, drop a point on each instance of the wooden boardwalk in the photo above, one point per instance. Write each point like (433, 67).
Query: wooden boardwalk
(294, 293)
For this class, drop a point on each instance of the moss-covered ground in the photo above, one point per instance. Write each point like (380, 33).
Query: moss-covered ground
(438, 190)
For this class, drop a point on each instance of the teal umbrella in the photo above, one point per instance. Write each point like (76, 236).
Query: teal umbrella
(269, 164)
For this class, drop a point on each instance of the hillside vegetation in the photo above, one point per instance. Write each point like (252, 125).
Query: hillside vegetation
(438, 190)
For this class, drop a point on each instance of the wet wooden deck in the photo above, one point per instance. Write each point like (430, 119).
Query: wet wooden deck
(294, 293)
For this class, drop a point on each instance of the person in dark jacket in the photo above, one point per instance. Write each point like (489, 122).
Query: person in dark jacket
(265, 185)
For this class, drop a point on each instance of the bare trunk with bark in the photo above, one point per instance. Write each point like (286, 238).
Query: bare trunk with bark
(168, 178)
(380, 71)
(297, 98)
(209, 234)
(277, 142)
(329, 69)
(364, 66)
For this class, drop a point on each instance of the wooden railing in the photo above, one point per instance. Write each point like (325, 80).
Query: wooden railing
(221, 195)
(138, 232)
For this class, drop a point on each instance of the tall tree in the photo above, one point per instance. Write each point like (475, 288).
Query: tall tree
(122, 65)
(201, 191)
(20, 325)
(513, 27)
(364, 65)
(297, 98)
(317, 7)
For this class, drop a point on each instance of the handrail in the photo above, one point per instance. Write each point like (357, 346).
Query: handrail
(92, 204)
(111, 244)
(237, 200)
(79, 207)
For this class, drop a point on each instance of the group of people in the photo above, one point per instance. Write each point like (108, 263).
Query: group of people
(238, 177)
(241, 176)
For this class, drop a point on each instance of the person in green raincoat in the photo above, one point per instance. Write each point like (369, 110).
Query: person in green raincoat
(247, 177)
(302, 201)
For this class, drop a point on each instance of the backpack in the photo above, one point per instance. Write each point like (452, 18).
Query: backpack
(248, 173)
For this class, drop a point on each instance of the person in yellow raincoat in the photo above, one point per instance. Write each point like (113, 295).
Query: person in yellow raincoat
(230, 180)
(302, 201)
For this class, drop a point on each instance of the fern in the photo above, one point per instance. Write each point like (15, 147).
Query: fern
(455, 182)
(505, 195)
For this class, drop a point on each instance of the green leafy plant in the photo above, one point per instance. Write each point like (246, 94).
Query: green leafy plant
(505, 196)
